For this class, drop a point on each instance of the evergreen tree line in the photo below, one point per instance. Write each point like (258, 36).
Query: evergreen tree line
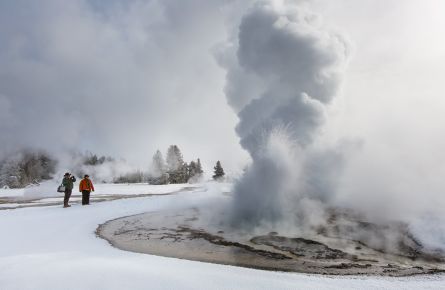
(93, 160)
(32, 167)
(173, 169)
(85, 163)
(27, 167)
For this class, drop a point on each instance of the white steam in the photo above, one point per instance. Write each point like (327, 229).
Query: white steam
(282, 71)
(284, 67)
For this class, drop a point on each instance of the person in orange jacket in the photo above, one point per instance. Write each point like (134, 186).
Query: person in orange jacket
(86, 187)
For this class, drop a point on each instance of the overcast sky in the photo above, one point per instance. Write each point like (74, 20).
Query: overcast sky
(128, 77)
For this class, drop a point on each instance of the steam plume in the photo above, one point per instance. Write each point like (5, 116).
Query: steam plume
(283, 69)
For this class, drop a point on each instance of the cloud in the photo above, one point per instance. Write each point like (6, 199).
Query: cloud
(123, 78)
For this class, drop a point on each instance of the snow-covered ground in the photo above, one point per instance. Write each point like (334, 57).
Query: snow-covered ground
(55, 248)
(49, 189)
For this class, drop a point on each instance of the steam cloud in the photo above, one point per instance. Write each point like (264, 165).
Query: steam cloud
(283, 70)
(284, 67)
(113, 78)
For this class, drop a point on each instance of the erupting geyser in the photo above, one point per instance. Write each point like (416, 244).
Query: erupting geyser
(283, 68)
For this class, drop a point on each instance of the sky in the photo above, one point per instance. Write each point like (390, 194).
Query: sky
(392, 102)
(118, 78)
(125, 78)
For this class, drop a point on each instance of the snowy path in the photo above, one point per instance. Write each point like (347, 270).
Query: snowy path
(56, 248)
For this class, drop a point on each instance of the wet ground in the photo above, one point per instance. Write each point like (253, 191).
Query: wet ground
(344, 246)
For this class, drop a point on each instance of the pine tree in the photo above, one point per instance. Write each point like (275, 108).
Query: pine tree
(195, 171)
(218, 171)
(102, 160)
(158, 167)
(26, 167)
(176, 167)
(48, 165)
(10, 173)
(192, 169)
(91, 159)
(174, 158)
(158, 170)
(199, 167)
(183, 175)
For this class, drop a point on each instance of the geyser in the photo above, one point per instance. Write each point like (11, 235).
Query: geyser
(283, 69)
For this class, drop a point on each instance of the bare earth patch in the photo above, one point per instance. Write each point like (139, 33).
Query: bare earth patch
(345, 246)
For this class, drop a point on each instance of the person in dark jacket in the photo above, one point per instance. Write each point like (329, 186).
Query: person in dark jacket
(86, 187)
(68, 182)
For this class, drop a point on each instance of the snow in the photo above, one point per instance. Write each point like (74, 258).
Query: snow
(49, 189)
(12, 205)
(12, 192)
(55, 248)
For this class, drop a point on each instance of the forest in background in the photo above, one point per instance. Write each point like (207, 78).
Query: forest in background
(30, 167)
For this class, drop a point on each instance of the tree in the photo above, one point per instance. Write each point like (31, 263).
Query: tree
(218, 171)
(199, 167)
(158, 170)
(91, 159)
(174, 158)
(25, 168)
(195, 171)
(10, 173)
(192, 169)
(48, 165)
(183, 173)
(158, 167)
(176, 167)
(102, 160)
